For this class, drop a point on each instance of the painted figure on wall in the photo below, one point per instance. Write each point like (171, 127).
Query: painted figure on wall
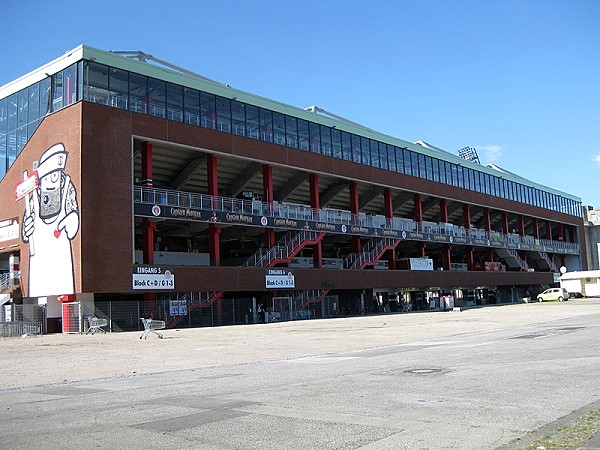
(50, 222)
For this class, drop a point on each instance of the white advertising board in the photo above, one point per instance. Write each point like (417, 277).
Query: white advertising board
(421, 264)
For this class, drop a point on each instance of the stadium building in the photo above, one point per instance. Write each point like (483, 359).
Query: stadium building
(134, 188)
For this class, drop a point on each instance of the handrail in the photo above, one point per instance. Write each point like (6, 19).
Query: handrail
(282, 249)
(522, 263)
(181, 199)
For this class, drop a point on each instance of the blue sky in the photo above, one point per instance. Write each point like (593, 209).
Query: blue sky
(518, 80)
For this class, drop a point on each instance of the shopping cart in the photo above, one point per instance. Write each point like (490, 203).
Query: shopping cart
(96, 324)
(151, 325)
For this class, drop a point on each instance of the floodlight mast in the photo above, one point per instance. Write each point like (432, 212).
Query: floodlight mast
(144, 57)
(470, 154)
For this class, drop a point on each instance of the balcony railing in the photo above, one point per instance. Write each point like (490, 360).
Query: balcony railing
(180, 199)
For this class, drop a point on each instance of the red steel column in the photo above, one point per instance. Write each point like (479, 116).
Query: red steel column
(487, 220)
(505, 229)
(561, 232)
(561, 237)
(418, 215)
(467, 216)
(389, 215)
(313, 179)
(356, 247)
(536, 230)
(521, 225)
(214, 231)
(467, 224)
(148, 226)
(268, 198)
(548, 230)
(443, 210)
(446, 260)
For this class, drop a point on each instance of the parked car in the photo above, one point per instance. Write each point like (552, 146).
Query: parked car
(553, 294)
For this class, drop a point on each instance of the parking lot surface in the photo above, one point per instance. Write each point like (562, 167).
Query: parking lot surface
(481, 378)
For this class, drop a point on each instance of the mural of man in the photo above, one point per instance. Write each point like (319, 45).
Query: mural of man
(49, 224)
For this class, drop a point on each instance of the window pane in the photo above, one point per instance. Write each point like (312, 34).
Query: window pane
(156, 97)
(3, 131)
(325, 140)
(407, 162)
(208, 110)
(174, 102)
(80, 80)
(252, 122)
(118, 83)
(374, 146)
(336, 141)
(383, 159)
(21, 139)
(399, 160)
(279, 128)
(23, 111)
(436, 169)
(291, 131)
(96, 83)
(429, 166)
(70, 85)
(138, 93)
(57, 91)
(45, 97)
(266, 125)
(391, 158)
(454, 173)
(422, 167)
(34, 108)
(238, 118)
(346, 146)
(356, 148)
(365, 151)
(443, 172)
(11, 148)
(303, 135)
(315, 137)
(223, 114)
(191, 106)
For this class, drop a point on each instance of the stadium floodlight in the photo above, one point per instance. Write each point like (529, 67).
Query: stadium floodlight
(470, 154)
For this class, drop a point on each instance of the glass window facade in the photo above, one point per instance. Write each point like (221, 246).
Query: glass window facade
(21, 113)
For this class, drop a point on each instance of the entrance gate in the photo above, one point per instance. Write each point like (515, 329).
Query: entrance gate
(72, 317)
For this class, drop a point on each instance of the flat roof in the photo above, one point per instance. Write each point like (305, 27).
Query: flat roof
(116, 60)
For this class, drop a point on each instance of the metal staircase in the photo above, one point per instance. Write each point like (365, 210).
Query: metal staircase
(285, 249)
(9, 283)
(370, 254)
(512, 259)
(544, 261)
(305, 298)
(194, 300)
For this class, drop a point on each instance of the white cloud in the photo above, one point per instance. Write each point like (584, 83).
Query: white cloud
(489, 153)
(596, 159)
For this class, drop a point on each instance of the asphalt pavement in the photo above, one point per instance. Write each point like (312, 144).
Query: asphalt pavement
(493, 377)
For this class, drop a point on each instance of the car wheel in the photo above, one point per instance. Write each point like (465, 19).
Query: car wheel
(560, 299)
(540, 299)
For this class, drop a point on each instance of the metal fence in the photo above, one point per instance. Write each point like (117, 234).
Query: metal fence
(19, 320)
(18, 328)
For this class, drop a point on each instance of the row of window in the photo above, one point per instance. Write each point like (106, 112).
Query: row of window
(21, 112)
